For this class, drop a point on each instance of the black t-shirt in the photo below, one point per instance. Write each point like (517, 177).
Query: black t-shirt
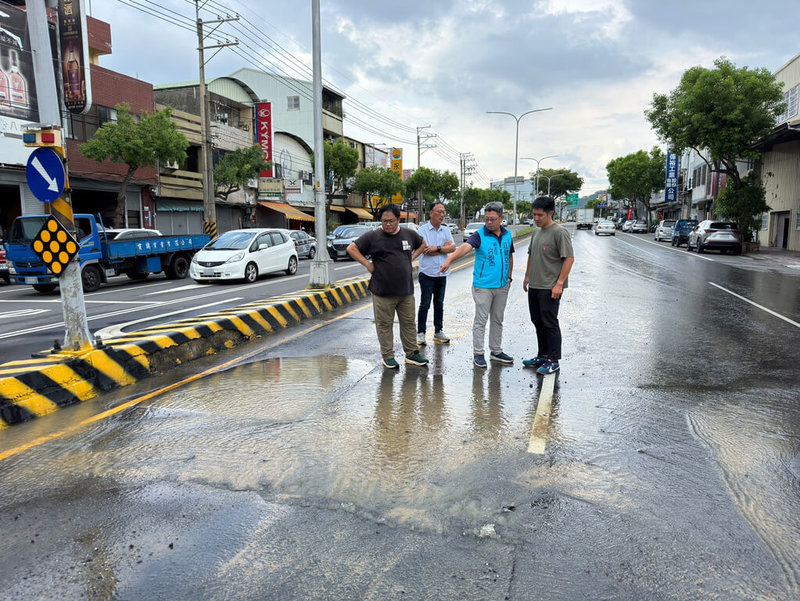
(391, 256)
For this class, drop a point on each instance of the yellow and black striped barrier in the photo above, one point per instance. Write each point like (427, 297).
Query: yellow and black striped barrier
(36, 387)
(210, 228)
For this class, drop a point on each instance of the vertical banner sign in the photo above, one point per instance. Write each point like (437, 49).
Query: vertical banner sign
(263, 118)
(397, 167)
(671, 184)
(74, 45)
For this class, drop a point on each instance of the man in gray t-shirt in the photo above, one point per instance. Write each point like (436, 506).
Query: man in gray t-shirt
(550, 259)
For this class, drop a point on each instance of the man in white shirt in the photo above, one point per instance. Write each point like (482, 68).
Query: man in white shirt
(432, 284)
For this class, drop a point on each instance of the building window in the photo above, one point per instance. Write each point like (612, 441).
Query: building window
(293, 103)
(797, 220)
(764, 220)
(790, 97)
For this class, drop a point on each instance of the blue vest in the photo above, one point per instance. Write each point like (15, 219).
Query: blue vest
(491, 260)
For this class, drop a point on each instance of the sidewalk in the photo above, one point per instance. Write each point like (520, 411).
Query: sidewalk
(779, 256)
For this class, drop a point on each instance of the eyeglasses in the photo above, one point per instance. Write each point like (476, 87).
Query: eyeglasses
(388, 221)
(491, 219)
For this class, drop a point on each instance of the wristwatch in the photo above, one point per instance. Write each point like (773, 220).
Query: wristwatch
(439, 248)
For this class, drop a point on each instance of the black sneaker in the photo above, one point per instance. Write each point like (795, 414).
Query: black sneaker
(549, 367)
(479, 361)
(391, 363)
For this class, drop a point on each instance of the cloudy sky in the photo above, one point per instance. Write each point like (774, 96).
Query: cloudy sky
(445, 63)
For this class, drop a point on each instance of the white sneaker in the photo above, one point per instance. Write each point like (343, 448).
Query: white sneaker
(440, 338)
(420, 338)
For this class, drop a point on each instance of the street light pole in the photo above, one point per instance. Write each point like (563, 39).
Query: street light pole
(536, 177)
(516, 146)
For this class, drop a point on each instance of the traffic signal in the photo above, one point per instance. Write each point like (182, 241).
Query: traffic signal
(49, 136)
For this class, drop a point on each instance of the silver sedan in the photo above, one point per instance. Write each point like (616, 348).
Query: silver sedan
(606, 228)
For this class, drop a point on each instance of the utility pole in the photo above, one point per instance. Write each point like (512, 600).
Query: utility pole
(73, 307)
(321, 275)
(467, 161)
(209, 206)
(420, 149)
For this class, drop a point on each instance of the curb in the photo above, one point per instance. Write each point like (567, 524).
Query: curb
(34, 388)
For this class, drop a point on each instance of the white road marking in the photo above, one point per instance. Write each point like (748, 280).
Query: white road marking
(187, 287)
(22, 313)
(747, 300)
(114, 331)
(541, 422)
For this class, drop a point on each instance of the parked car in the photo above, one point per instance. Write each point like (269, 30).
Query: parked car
(723, 236)
(626, 227)
(472, 228)
(664, 229)
(245, 255)
(504, 223)
(454, 229)
(305, 245)
(639, 227)
(606, 228)
(5, 274)
(409, 225)
(681, 230)
(337, 247)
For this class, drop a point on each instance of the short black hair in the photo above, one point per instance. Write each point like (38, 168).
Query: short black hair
(546, 203)
(389, 207)
(436, 202)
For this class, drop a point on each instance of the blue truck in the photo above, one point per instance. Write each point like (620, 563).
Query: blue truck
(100, 257)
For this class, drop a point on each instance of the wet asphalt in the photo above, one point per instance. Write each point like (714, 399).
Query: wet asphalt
(307, 471)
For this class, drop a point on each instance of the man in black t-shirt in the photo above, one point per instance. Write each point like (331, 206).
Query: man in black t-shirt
(391, 250)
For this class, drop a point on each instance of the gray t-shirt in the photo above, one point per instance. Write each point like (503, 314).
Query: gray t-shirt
(548, 248)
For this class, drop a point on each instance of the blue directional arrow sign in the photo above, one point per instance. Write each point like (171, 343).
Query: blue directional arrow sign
(45, 173)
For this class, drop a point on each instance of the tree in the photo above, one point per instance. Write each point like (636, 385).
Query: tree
(636, 175)
(341, 160)
(236, 168)
(433, 185)
(136, 142)
(378, 184)
(561, 181)
(722, 112)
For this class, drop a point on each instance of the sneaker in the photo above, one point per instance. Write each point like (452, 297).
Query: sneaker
(549, 367)
(535, 363)
(501, 357)
(440, 338)
(480, 361)
(420, 338)
(416, 359)
(391, 363)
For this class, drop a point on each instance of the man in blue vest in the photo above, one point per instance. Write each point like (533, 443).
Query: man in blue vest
(491, 279)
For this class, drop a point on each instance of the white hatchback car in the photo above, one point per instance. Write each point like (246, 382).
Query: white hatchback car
(244, 255)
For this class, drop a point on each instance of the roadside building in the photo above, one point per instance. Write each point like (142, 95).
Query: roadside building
(779, 167)
(94, 185)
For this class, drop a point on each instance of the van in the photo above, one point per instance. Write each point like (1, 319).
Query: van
(681, 230)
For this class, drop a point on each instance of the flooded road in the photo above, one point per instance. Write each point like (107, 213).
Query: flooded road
(307, 471)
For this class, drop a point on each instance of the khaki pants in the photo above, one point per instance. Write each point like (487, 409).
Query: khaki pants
(384, 309)
(490, 304)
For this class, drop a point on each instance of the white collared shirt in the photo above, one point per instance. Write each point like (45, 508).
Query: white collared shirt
(430, 264)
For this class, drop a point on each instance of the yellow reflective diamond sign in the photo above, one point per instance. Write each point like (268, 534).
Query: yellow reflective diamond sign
(55, 246)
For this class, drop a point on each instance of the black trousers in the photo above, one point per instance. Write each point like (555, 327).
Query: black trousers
(431, 288)
(544, 315)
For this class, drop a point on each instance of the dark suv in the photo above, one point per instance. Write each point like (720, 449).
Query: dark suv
(681, 230)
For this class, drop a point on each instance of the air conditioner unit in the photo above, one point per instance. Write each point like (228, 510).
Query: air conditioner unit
(173, 165)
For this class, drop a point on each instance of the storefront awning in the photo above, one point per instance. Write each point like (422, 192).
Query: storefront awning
(337, 209)
(405, 215)
(175, 204)
(287, 210)
(361, 213)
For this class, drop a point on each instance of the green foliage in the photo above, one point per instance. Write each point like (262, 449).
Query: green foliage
(136, 142)
(433, 184)
(377, 184)
(235, 168)
(722, 111)
(743, 203)
(561, 181)
(636, 175)
(340, 159)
